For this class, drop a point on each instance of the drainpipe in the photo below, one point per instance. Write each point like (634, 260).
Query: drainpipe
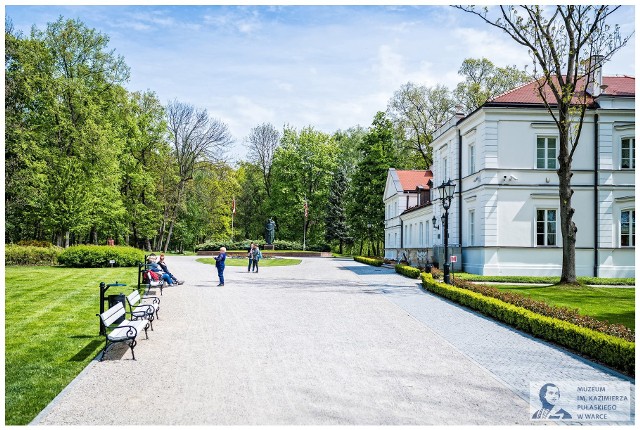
(596, 219)
(460, 192)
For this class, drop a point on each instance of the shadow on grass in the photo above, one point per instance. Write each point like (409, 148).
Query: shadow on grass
(90, 349)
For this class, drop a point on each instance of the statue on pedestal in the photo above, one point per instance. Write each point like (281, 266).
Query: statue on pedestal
(270, 231)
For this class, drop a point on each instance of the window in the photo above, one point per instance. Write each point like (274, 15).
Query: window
(395, 240)
(472, 231)
(445, 169)
(426, 233)
(421, 236)
(472, 158)
(546, 152)
(628, 228)
(628, 153)
(546, 227)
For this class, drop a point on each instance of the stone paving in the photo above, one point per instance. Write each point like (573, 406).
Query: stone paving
(330, 341)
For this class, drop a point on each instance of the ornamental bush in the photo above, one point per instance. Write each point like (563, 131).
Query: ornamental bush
(411, 272)
(100, 255)
(280, 245)
(31, 255)
(367, 260)
(613, 351)
(543, 308)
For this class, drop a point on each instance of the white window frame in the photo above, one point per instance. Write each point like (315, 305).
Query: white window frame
(547, 159)
(472, 227)
(632, 150)
(421, 237)
(545, 225)
(471, 154)
(632, 228)
(445, 169)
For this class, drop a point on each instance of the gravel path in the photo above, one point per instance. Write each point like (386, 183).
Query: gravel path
(329, 341)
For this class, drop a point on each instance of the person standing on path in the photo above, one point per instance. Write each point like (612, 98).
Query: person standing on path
(250, 255)
(257, 255)
(220, 265)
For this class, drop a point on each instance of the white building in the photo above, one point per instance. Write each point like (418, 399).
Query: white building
(505, 214)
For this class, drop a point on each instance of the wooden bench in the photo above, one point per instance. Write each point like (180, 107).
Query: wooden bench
(126, 331)
(141, 310)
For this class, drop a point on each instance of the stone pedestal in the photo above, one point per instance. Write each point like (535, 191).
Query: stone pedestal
(268, 247)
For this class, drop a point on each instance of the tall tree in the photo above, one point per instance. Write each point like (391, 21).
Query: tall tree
(567, 45)
(379, 152)
(302, 168)
(195, 137)
(336, 218)
(483, 81)
(418, 111)
(69, 89)
(263, 141)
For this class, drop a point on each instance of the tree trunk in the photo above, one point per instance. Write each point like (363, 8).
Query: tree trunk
(147, 244)
(340, 246)
(567, 226)
(94, 235)
(66, 238)
(166, 244)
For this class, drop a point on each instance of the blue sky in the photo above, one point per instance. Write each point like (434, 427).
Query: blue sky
(331, 67)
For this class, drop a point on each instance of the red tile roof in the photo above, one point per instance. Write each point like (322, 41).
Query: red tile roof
(528, 93)
(410, 179)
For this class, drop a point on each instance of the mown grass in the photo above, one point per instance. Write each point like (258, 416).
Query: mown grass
(584, 280)
(51, 331)
(615, 305)
(265, 262)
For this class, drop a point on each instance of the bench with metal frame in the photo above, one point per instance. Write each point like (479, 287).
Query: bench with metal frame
(126, 331)
(141, 310)
(144, 278)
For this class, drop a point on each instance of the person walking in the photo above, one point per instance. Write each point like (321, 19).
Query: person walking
(220, 258)
(257, 255)
(250, 255)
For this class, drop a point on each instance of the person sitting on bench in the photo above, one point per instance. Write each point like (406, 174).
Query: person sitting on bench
(154, 267)
(163, 265)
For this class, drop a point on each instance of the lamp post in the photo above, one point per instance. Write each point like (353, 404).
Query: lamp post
(446, 191)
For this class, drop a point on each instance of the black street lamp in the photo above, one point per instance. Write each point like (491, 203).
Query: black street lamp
(446, 191)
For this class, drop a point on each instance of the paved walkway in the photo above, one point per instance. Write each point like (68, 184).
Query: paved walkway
(330, 341)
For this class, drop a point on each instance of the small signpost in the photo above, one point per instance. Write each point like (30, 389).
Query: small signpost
(112, 262)
(453, 259)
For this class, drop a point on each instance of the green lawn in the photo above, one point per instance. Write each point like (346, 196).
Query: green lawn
(585, 280)
(616, 305)
(265, 262)
(51, 331)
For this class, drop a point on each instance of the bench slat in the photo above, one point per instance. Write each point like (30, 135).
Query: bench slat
(112, 314)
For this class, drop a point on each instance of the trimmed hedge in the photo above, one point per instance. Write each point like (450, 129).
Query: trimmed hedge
(613, 351)
(408, 271)
(367, 260)
(17, 255)
(584, 280)
(280, 245)
(99, 256)
(543, 308)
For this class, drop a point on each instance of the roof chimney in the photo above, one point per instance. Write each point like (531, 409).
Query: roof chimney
(594, 73)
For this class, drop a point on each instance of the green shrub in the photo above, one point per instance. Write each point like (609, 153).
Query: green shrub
(367, 260)
(38, 243)
(279, 245)
(31, 255)
(99, 256)
(613, 351)
(543, 308)
(411, 272)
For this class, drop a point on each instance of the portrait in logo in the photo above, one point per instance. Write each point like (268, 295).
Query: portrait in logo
(549, 397)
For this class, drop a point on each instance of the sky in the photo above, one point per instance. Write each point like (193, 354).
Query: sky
(327, 66)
